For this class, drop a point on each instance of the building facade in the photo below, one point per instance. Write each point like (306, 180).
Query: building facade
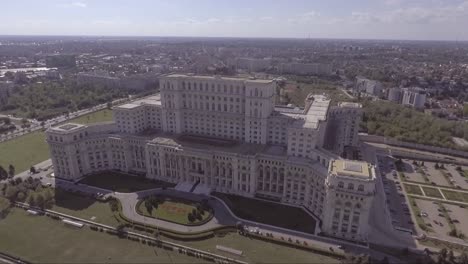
(225, 134)
(414, 97)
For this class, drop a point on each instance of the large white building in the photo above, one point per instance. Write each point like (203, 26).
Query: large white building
(227, 135)
(414, 97)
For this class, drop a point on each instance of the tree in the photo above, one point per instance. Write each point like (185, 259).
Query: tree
(436, 166)
(20, 196)
(190, 218)
(114, 205)
(109, 105)
(31, 201)
(40, 201)
(11, 193)
(149, 206)
(32, 170)
(48, 200)
(3, 173)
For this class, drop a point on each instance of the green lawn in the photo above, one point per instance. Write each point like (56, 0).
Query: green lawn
(121, 182)
(84, 207)
(413, 189)
(456, 196)
(269, 213)
(25, 151)
(258, 251)
(40, 239)
(173, 211)
(96, 117)
(432, 192)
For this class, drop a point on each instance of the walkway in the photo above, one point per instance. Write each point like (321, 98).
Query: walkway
(439, 189)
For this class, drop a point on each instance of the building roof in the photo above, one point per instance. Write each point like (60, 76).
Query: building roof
(314, 114)
(150, 100)
(351, 168)
(211, 78)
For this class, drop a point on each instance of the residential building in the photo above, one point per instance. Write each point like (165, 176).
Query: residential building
(414, 97)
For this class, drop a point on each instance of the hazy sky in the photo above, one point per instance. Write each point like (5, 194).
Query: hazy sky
(380, 19)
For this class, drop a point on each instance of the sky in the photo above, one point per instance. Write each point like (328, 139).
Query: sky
(357, 19)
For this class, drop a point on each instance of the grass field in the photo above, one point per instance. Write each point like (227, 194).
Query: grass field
(269, 213)
(432, 192)
(121, 182)
(413, 189)
(96, 117)
(456, 196)
(84, 207)
(40, 239)
(25, 151)
(173, 211)
(257, 251)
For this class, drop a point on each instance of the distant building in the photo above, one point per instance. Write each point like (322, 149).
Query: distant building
(6, 88)
(395, 95)
(97, 78)
(61, 61)
(251, 64)
(305, 68)
(414, 97)
(369, 87)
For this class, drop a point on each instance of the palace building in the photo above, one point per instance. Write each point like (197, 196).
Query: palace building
(227, 135)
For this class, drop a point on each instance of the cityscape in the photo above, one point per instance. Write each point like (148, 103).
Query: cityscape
(327, 145)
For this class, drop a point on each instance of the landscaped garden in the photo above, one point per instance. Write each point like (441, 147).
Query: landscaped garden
(413, 189)
(122, 182)
(456, 196)
(432, 192)
(269, 213)
(175, 210)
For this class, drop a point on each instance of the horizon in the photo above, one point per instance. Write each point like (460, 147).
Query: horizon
(429, 20)
(233, 37)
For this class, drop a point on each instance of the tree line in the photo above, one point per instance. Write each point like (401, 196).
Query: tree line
(406, 124)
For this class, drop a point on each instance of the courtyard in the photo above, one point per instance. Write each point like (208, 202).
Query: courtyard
(269, 213)
(122, 182)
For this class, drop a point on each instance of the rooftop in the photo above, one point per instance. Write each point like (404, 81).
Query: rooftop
(317, 112)
(150, 100)
(211, 78)
(66, 127)
(357, 169)
(349, 104)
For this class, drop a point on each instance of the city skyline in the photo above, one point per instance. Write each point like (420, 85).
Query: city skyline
(361, 19)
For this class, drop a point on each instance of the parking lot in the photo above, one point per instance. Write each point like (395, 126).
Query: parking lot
(459, 217)
(459, 180)
(395, 198)
(410, 172)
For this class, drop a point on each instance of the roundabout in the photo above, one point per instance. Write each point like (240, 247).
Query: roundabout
(175, 210)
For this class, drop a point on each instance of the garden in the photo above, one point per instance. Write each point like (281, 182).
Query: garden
(175, 210)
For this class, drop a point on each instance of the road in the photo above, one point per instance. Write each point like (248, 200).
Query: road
(380, 221)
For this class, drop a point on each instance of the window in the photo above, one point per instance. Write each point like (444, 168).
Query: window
(350, 186)
(361, 188)
(340, 185)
